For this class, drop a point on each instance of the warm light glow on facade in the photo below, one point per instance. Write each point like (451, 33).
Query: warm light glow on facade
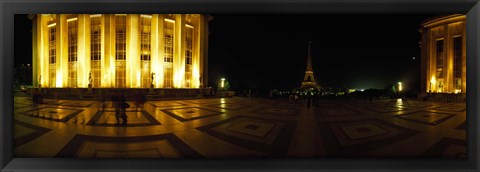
(443, 46)
(432, 83)
(170, 20)
(72, 19)
(120, 50)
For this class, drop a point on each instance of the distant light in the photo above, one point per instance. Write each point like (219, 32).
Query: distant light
(222, 83)
(413, 58)
(399, 86)
(362, 90)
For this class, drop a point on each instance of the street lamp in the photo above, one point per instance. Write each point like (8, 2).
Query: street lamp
(399, 86)
(222, 83)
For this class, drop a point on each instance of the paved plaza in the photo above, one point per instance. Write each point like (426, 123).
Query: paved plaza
(238, 127)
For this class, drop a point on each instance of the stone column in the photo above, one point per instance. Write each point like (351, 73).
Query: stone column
(44, 59)
(157, 49)
(196, 63)
(179, 52)
(464, 58)
(62, 51)
(448, 64)
(108, 50)
(83, 54)
(35, 49)
(204, 20)
(133, 52)
(424, 68)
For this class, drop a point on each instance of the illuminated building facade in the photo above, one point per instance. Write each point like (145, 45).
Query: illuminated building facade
(120, 50)
(443, 50)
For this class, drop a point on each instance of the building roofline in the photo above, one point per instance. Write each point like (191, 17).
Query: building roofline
(441, 19)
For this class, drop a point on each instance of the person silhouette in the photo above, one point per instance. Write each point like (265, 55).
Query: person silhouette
(115, 102)
(123, 105)
(103, 104)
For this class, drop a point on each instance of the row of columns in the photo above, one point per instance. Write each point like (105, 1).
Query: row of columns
(445, 29)
(133, 71)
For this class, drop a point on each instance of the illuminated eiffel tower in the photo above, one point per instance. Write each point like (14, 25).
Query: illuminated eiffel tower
(309, 79)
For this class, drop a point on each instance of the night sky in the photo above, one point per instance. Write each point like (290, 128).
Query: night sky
(270, 51)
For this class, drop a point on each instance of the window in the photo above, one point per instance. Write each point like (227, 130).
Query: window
(188, 55)
(72, 52)
(145, 36)
(439, 51)
(52, 55)
(120, 50)
(457, 62)
(168, 59)
(96, 49)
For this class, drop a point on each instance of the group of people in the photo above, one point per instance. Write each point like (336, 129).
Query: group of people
(312, 98)
(248, 93)
(293, 98)
(120, 105)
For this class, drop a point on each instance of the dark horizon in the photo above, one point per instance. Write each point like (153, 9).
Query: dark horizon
(270, 51)
(351, 51)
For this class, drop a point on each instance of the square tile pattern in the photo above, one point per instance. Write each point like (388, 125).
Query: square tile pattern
(425, 117)
(24, 132)
(447, 148)
(134, 118)
(336, 112)
(253, 130)
(153, 146)
(351, 138)
(166, 104)
(243, 126)
(263, 135)
(414, 104)
(451, 108)
(361, 131)
(77, 104)
(386, 109)
(192, 113)
(278, 110)
(151, 149)
(230, 106)
(52, 113)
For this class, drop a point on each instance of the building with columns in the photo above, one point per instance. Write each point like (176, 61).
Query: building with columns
(120, 50)
(443, 51)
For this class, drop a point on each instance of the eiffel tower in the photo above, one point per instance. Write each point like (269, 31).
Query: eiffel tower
(309, 79)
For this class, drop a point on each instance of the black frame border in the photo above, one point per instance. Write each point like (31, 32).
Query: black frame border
(10, 7)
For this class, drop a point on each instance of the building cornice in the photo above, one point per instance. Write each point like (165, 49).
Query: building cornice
(443, 20)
